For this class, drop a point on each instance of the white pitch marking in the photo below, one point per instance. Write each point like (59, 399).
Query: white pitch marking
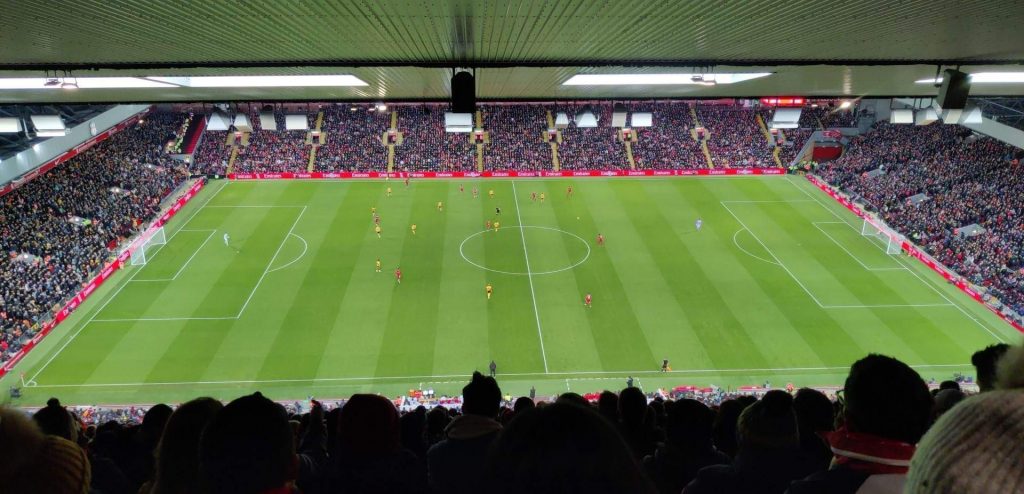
(305, 247)
(485, 268)
(183, 266)
(529, 276)
(901, 261)
(114, 295)
(745, 251)
(766, 249)
(841, 246)
(271, 263)
(155, 319)
(466, 376)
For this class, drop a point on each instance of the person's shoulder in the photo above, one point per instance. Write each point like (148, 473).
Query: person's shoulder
(834, 481)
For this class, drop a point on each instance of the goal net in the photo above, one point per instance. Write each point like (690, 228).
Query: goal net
(143, 244)
(888, 237)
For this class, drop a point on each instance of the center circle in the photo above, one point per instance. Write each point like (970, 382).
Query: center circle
(462, 250)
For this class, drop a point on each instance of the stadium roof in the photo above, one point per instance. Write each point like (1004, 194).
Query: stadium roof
(522, 48)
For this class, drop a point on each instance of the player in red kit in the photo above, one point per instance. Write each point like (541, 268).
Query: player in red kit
(398, 275)
(406, 181)
(487, 225)
(462, 188)
(587, 300)
(568, 192)
(600, 239)
(533, 196)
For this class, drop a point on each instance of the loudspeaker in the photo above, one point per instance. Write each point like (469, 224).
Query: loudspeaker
(954, 90)
(463, 93)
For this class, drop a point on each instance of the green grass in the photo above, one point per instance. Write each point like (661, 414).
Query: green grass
(779, 285)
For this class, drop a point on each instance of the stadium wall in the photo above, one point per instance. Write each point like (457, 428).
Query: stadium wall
(105, 274)
(915, 252)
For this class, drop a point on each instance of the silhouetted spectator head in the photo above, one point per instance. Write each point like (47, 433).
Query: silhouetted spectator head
(887, 398)
(725, 423)
(688, 425)
(768, 424)
(608, 405)
(562, 448)
(177, 455)
(153, 423)
(814, 412)
(481, 396)
(368, 425)
(946, 399)
(573, 398)
(248, 447)
(984, 362)
(36, 462)
(55, 420)
(437, 420)
(522, 404)
(949, 385)
(1010, 369)
(632, 406)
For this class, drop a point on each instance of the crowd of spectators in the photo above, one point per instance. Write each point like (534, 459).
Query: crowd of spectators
(967, 179)
(427, 147)
(889, 434)
(353, 139)
(827, 116)
(591, 148)
(213, 153)
(59, 229)
(734, 138)
(517, 137)
(669, 143)
(273, 151)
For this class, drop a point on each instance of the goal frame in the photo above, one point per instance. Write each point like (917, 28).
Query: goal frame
(893, 241)
(152, 237)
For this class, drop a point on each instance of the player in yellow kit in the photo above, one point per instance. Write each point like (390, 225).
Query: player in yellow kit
(377, 230)
(440, 206)
(373, 211)
(413, 228)
(541, 197)
(378, 264)
(389, 191)
(489, 289)
(491, 193)
(496, 226)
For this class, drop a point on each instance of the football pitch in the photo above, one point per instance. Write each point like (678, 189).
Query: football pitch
(778, 285)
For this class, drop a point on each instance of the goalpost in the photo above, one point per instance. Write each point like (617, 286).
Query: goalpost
(893, 241)
(150, 238)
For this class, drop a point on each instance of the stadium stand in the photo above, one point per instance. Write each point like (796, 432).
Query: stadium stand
(273, 151)
(58, 230)
(213, 155)
(667, 144)
(426, 145)
(516, 137)
(591, 148)
(885, 436)
(968, 179)
(734, 139)
(353, 139)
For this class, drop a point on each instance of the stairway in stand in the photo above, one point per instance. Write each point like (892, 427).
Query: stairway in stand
(703, 142)
(768, 135)
(391, 147)
(316, 143)
(628, 144)
(556, 163)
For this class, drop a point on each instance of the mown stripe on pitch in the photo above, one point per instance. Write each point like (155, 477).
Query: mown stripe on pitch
(767, 325)
(412, 316)
(194, 348)
(718, 329)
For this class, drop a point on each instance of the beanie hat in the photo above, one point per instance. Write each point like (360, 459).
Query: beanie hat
(59, 467)
(769, 423)
(976, 446)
